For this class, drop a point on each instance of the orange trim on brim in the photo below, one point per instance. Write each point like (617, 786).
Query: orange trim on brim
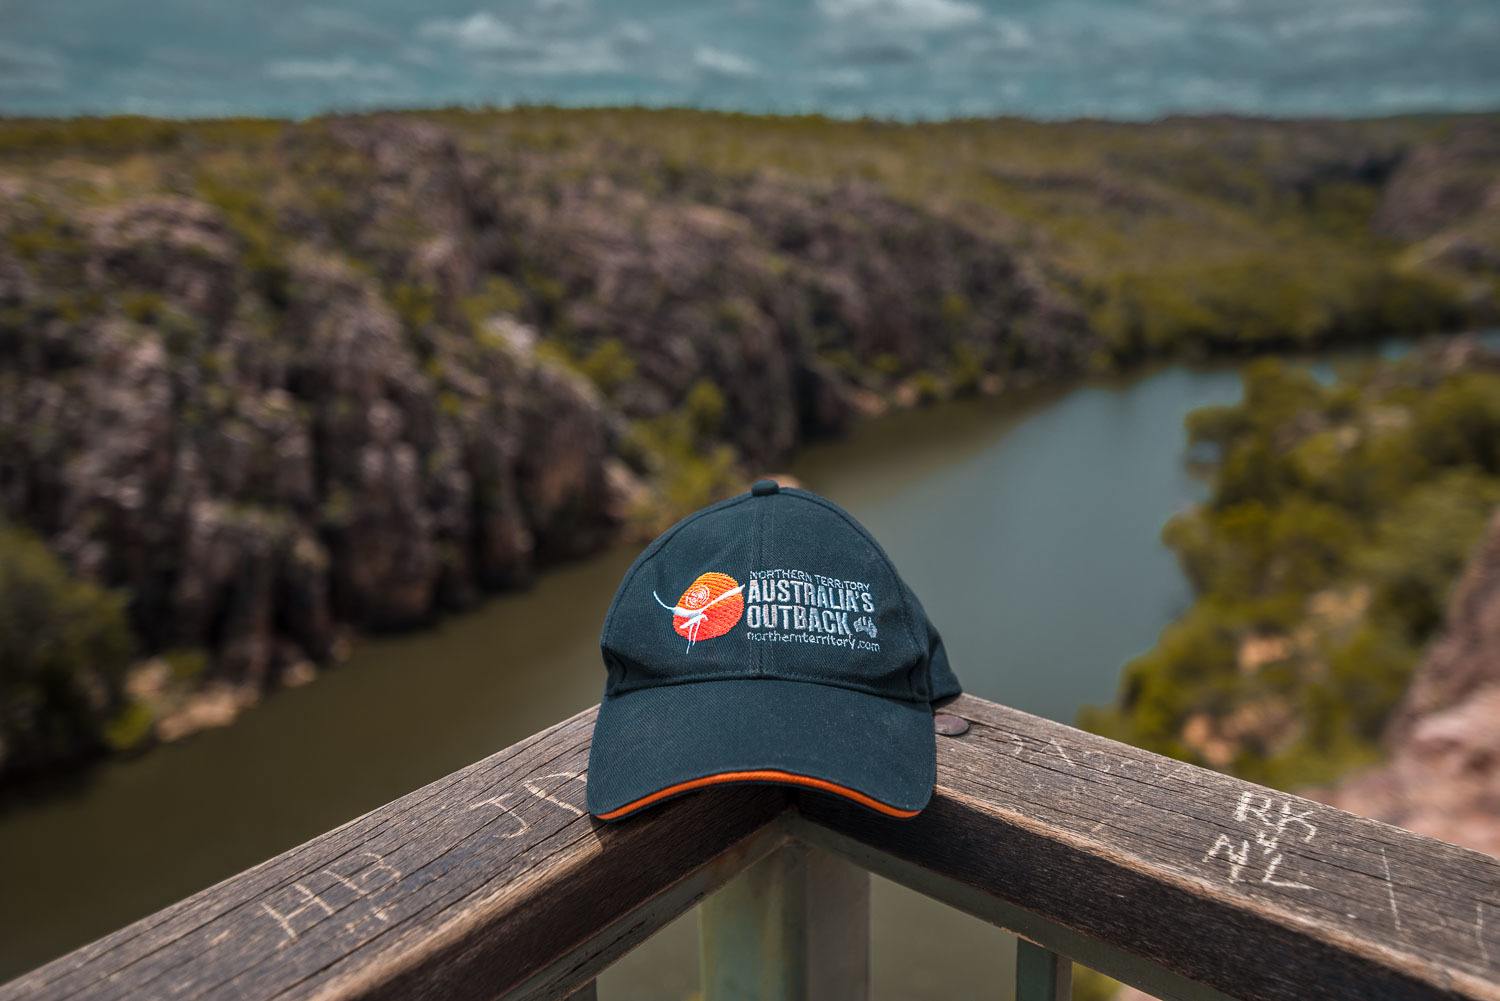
(763, 775)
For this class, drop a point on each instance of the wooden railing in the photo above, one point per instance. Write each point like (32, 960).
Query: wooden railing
(494, 882)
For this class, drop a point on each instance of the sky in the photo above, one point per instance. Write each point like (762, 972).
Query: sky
(886, 58)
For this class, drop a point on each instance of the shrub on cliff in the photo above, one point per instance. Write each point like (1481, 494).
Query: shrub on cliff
(682, 449)
(64, 647)
(1339, 518)
(276, 378)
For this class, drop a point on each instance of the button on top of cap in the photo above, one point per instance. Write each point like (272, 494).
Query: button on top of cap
(764, 488)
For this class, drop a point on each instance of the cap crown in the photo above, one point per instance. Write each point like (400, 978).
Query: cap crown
(782, 584)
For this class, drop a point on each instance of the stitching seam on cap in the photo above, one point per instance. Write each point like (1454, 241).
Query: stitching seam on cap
(763, 530)
(891, 567)
(924, 656)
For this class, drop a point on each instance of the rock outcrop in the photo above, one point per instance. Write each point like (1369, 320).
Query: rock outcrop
(1444, 200)
(257, 474)
(276, 383)
(1442, 777)
(371, 385)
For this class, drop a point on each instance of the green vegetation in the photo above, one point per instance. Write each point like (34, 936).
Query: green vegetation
(608, 364)
(1234, 232)
(249, 216)
(1339, 518)
(64, 647)
(1283, 302)
(124, 134)
(730, 285)
(1209, 234)
(691, 466)
(1091, 985)
(496, 295)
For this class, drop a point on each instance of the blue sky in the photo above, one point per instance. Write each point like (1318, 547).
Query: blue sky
(892, 58)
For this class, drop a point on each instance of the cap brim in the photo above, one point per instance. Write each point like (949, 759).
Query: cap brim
(655, 743)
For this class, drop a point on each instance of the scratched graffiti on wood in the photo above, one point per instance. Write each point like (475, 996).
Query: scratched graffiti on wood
(1258, 856)
(535, 788)
(494, 881)
(354, 896)
(1203, 872)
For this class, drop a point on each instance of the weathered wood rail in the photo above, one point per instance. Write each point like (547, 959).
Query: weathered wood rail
(493, 882)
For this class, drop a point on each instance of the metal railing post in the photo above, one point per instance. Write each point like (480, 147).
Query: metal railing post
(793, 927)
(1041, 974)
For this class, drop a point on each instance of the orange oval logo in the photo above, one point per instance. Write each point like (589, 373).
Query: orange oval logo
(709, 607)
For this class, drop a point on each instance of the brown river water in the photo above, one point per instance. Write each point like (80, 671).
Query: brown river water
(1028, 526)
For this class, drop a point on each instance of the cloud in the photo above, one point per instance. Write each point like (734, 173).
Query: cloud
(722, 63)
(324, 25)
(1393, 97)
(342, 69)
(419, 55)
(545, 44)
(1132, 58)
(1334, 19)
(874, 52)
(841, 78)
(569, 57)
(1010, 35)
(480, 31)
(997, 38)
(1200, 7)
(903, 15)
(29, 68)
(634, 34)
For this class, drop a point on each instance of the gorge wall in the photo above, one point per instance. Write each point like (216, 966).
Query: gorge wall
(273, 382)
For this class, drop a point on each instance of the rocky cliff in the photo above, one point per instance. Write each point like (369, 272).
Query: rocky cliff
(274, 382)
(254, 472)
(1339, 517)
(1442, 775)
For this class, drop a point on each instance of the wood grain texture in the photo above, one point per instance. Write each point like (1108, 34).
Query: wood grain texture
(494, 882)
(491, 881)
(1257, 893)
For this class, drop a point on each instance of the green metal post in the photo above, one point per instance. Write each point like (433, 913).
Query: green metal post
(793, 927)
(1041, 974)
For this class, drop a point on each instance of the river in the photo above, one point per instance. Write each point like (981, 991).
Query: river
(1028, 526)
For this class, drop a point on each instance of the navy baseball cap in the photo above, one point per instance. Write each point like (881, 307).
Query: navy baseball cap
(767, 639)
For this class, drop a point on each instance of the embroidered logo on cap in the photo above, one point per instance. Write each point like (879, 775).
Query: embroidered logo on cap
(709, 607)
